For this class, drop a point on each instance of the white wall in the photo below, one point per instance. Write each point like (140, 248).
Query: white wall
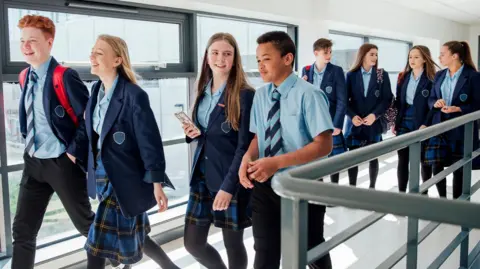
(316, 17)
(474, 34)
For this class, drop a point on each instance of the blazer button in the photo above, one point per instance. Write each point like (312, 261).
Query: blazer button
(206, 158)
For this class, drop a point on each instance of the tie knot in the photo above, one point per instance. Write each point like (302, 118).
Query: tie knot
(275, 95)
(33, 76)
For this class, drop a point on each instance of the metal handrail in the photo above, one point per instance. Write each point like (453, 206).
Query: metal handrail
(298, 185)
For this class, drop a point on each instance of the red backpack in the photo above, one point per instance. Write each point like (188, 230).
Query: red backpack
(59, 87)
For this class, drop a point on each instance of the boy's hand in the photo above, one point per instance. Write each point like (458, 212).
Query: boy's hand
(263, 169)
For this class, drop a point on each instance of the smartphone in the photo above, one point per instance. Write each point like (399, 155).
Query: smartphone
(185, 119)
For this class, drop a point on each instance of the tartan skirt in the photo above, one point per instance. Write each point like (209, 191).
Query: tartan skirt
(339, 145)
(443, 152)
(113, 236)
(355, 142)
(407, 125)
(200, 211)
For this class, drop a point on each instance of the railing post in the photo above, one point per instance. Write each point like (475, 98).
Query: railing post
(294, 233)
(414, 186)
(467, 185)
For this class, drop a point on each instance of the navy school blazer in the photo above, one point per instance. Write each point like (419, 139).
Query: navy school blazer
(132, 149)
(420, 101)
(333, 84)
(223, 148)
(466, 96)
(61, 124)
(379, 98)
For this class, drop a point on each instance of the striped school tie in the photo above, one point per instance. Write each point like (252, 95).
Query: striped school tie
(273, 134)
(30, 140)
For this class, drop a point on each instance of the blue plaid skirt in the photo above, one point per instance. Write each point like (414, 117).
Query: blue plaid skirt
(200, 208)
(339, 145)
(407, 125)
(354, 142)
(443, 152)
(113, 236)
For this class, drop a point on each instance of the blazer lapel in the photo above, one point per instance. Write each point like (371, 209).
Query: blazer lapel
(460, 83)
(438, 85)
(404, 88)
(113, 108)
(373, 81)
(48, 90)
(421, 84)
(360, 83)
(89, 112)
(217, 110)
(22, 110)
(326, 76)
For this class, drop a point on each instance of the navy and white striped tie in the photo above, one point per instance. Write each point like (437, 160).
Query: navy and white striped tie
(273, 134)
(30, 140)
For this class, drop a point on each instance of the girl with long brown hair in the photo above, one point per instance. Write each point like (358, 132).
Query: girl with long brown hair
(369, 95)
(413, 90)
(456, 92)
(222, 114)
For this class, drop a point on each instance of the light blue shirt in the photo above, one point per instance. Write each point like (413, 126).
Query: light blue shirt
(47, 145)
(412, 87)
(304, 113)
(103, 101)
(318, 77)
(366, 80)
(448, 85)
(207, 104)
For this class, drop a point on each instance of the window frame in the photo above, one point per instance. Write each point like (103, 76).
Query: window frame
(366, 39)
(184, 20)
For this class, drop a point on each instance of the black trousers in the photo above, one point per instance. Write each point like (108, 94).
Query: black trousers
(267, 229)
(40, 179)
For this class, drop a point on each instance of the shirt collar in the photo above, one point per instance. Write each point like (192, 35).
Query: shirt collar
(109, 92)
(412, 77)
(457, 74)
(43, 68)
(364, 72)
(315, 69)
(285, 86)
(208, 89)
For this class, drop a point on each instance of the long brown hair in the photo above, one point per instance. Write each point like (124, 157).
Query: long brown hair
(428, 66)
(462, 48)
(237, 80)
(120, 49)
(362, 51)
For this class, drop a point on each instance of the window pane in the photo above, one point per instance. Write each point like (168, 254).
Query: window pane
(392, 55)
(76, 35)
(178, 171)
(246, 34)
(14, 139)
(344, 50)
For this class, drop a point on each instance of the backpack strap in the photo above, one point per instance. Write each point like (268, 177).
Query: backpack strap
(61, 92)
(22, 77)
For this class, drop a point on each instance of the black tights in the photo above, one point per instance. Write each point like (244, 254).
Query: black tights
(457, 182)
(195, 241)
(403, 170)
(151, 249)
(372, 172)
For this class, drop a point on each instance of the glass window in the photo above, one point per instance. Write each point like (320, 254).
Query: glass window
(246, 34)
(392, 55)
(14, 138)
(76, 35)
(344, 50)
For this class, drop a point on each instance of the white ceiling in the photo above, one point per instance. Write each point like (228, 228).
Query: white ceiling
(463, 11)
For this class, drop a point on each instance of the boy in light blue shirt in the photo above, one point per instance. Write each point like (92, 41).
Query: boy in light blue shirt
(293, 126)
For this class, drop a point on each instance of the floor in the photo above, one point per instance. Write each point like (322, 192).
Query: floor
(364, 251)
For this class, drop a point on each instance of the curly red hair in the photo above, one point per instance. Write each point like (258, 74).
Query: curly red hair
(40, 22)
